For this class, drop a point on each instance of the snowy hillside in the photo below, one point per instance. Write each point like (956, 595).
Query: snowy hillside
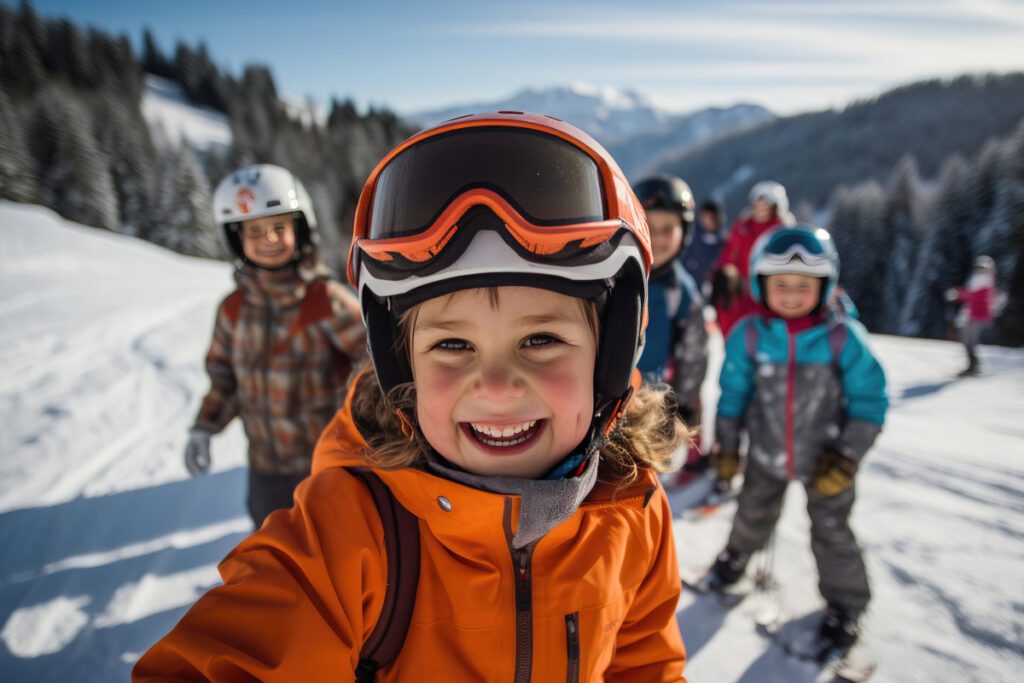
(638, 133)
(106, 541)
(172, 119)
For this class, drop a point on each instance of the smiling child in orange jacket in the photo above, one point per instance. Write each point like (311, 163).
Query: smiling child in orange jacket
(502, 413)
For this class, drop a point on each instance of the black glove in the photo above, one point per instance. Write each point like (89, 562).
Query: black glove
(834, 474)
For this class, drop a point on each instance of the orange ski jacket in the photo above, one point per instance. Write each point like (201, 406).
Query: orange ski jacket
(593, 600)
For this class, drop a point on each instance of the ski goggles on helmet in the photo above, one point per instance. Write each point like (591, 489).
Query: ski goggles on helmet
(549, 191)
(799, 251)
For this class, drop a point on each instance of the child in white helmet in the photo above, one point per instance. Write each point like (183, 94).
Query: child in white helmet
(769, 208)
(283, 342)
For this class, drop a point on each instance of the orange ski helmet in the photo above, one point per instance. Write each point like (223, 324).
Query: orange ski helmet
(504, 198)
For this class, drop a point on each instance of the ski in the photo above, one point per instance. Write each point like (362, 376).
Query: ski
(856, 664)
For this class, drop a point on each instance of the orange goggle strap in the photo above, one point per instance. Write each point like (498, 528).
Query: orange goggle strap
(408, 429)
(620, 406)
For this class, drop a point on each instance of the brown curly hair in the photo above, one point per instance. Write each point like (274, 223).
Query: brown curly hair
(646, 434)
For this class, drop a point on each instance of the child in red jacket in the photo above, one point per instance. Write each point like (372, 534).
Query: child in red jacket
(978, 297)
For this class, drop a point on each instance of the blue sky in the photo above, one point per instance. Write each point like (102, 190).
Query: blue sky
(789, 55)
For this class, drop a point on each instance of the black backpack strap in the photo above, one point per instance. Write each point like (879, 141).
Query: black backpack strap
(402, 545)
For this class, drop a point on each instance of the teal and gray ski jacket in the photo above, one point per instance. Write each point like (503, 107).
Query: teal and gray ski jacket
(799, 393)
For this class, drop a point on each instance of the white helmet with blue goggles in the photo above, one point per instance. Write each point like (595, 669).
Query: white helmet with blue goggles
(799, 250)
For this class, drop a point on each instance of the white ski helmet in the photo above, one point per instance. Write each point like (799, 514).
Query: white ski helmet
(773, 193)
(984, 264)
(263, 190)
(801, 250)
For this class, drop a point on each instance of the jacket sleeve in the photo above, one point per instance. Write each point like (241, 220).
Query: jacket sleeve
(737, 382)
(220, 405)
(345, 328)
(649, 646)
(863, 392)
(283, 614)
(690, 353)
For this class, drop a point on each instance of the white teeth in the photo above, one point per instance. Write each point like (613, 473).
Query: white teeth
(503, 432)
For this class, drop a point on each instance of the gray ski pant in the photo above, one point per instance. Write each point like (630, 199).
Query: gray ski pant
(842, 576)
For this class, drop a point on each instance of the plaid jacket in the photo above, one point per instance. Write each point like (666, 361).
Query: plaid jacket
(281, 353)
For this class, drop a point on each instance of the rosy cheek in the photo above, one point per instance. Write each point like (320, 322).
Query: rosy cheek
(436, 394)
(569, 397)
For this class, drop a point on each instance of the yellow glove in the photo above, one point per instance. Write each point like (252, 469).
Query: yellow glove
(833, 475)
(726, 463)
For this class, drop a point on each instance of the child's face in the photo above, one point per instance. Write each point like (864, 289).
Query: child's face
(792, 296)
(708, 221)
(269, 241)
(666, 235)
(505, 387)
(761, 211)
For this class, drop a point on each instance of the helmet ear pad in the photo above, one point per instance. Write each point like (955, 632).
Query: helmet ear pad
(620, 341)
(382, 337)
(233, 235)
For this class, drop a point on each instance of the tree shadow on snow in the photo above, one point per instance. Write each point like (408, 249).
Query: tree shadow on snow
(106, 537)
(910, 393)
(775, 666)
(33, 538)
(699, 622)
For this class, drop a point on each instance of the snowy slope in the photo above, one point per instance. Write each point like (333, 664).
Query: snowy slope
(105, 541)
(173, 120)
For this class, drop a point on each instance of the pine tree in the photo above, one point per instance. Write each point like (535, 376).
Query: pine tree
(187, 209)
(1010, 259)
(74, 174)
(134, 167)
(903, 225)
(21, 67)
(17, 178)
(924, 308)
(153, 59)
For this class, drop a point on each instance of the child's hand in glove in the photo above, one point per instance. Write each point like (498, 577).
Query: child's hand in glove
(834, 474)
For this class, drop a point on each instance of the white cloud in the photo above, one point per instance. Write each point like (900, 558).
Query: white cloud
(818, 54)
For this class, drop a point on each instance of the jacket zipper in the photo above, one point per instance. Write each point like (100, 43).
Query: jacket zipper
(790, 399)
(521, 560)
(524, 613)
(572, 644)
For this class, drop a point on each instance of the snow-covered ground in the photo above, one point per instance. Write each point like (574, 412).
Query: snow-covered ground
(173, 120)
(105, 541)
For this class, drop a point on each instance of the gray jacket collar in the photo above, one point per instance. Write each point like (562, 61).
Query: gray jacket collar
(545, 503)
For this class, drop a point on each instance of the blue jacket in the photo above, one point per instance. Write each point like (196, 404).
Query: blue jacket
(798, 394)
(675, 351)
(702, 253)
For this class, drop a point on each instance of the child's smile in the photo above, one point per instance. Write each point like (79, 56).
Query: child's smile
(504, 382)
(508, 439)
(791, 295)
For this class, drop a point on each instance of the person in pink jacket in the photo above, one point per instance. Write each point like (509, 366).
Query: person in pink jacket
(978, 298)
